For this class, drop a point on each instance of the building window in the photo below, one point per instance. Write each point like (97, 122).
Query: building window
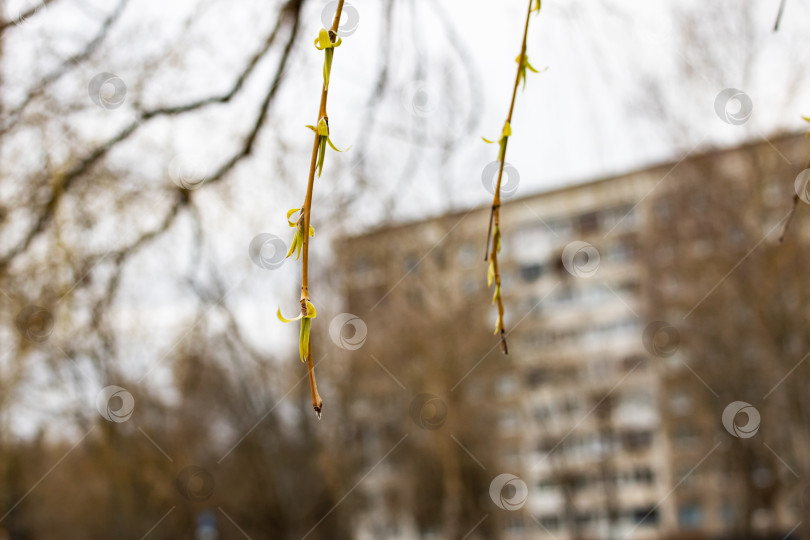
(643, 475)
(508, 421)
(471, 286)
(531, 272)
(624, 216)
(690, 516)
(467, 253)
(680, 404)
(662, 209)
(549, 523)
(514, 524)
(588, 223)
(536, 377)
(560, 227)
(584, 519)
(505, 385)
(621, 250)
(685, 436)
(361, 264)
(410, 263)
(645, 516)
(636, 440)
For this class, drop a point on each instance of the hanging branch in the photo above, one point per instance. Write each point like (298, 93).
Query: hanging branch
(494, 232)
(795, 198)
(326, 41)
(779, 15)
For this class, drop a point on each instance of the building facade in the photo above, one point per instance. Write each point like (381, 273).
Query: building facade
(597, 410)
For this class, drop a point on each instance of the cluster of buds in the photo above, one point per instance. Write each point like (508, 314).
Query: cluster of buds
(494, 233)
(326, 41)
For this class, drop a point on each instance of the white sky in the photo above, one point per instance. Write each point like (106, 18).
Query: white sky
(583, 118)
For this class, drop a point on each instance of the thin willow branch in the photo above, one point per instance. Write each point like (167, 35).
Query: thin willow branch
(779, 16)
(494, 217)
(306, 210)
(792, 213)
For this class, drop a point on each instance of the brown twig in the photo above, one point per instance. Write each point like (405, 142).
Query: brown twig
(792, 212)
(779, 15)
(789, 219)
(494, 217)
(317, 402)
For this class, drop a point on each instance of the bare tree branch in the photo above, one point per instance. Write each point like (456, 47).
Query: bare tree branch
(64, 183)
(24, 15)
(40, 88)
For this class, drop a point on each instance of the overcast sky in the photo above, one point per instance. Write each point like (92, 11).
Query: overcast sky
(628, 84)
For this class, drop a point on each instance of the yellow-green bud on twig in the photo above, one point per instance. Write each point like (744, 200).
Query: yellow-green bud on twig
(324, 43)
(323, 133)
(298, 237)
(306, 322)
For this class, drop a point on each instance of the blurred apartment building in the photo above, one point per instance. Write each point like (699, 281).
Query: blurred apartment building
(598, 412)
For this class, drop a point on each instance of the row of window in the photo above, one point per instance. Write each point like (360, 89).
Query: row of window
(641, 516)
(574, 408)
(622, 250)
(587, 295)
(584, 482)
(624, 327)
(617, 217)
(597, 445)
(593, 370)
